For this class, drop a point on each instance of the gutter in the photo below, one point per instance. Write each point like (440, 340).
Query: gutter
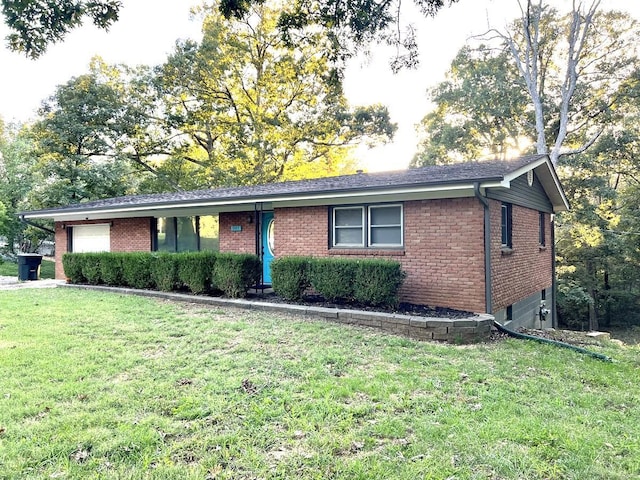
(24, 220)
(247, 200)
(487, 248)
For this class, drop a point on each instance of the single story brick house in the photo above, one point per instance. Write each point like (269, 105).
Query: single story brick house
(471, 236)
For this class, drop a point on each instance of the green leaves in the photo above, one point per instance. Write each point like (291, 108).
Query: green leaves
(253, 109)
(481, 110)
(348, 27)
(36, 23)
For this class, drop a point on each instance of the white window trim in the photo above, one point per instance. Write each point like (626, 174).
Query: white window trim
(371, 226)
(334, 227)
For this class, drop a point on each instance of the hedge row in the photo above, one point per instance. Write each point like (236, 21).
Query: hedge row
(371, 282)
(233, 274)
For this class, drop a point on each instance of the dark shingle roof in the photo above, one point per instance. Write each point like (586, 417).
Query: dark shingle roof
(425, 176)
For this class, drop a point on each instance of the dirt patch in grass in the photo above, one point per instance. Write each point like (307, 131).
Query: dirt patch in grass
(575, 337)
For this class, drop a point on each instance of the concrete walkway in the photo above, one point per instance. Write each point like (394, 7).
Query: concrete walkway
(12, 283)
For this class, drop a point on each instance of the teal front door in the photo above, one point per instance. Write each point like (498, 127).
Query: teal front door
(267, 246)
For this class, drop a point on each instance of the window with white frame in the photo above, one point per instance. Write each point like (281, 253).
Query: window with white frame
(375, 226)
(385, 226)
(348, 227)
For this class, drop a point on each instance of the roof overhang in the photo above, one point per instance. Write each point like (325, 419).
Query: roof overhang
(388, 193)
(266, 202)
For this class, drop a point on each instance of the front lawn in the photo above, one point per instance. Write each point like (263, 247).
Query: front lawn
(99, 385)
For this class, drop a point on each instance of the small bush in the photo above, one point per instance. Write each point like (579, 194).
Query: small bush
(333, 277)
(72, 264)
(164, 271)
(234, 273)
(289, 276)
(91, 268)
(377, 282)
(195, 270)
(573, 304)
(111, 269)
(136, 270)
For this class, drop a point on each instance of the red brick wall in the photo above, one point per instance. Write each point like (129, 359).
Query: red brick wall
(131, 235)
(443, 254)
(301, 231)
(237, 242)
(61, 248)
(127, 235)
(527, 268)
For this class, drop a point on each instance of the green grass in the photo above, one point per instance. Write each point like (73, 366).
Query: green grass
(98, 385)
(47, 269)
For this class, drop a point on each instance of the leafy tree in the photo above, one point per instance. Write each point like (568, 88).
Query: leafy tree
(552, 81)
(571, 66)
(348, 25)
(481, 110)
(598, 239)
(16, 179)
(76, 143)
(4, 220)
(38, 23)
(253, 110)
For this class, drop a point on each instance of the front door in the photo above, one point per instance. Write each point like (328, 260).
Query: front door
(267, 246)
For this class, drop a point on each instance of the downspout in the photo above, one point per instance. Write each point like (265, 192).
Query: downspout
(24, 220)
(554, 283)
(487, 247)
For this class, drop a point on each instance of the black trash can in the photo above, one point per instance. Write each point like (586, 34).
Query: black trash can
(29, 266)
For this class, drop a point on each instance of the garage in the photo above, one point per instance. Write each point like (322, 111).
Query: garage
(91, 238)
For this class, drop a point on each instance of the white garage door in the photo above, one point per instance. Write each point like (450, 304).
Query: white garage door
(91, 238)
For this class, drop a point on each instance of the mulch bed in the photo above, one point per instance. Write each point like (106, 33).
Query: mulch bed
(403, 308)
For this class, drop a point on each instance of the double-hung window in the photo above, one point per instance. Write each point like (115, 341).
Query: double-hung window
(385, 226)
(348, 227)
(367, 226)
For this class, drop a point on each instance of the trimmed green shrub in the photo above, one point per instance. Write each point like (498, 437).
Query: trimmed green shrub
(136, 270)
(164, 271)
(289, 276)
(377, 282)
(111, 268)
(235, 273)
(91, 268)
(72, 264)
(333, 277)
(195, 270)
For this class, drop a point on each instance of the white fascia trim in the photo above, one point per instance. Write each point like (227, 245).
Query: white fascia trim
(104, 213)
(522, 170)
(559, 188)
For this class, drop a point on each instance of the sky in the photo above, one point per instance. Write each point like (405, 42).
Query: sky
(148, 29)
